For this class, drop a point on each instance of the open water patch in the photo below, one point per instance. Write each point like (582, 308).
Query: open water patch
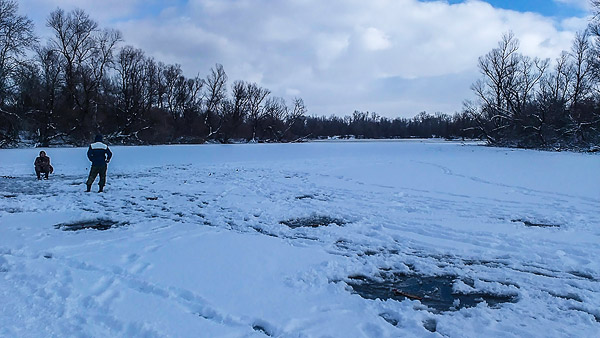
(435, 292)
(313, 221)
(96, 224)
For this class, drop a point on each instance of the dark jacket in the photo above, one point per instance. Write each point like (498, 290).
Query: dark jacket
(99, 154)
(42, 164)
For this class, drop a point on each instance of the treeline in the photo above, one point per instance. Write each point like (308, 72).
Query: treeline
(372, 126)
(83, 80)
(531, 103)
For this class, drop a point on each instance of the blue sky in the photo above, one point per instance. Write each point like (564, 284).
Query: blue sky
(551, 8)
(394, 57)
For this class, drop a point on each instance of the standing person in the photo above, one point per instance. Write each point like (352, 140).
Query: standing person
(99, 154)
(42, 166)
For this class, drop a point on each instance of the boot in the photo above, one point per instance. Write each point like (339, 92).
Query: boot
(101, 189)
(89, 187)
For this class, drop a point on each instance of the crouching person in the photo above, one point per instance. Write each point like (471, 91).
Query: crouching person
(42, 166)
(99, 154)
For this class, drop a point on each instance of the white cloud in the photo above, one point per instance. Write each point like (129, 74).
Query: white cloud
(337, 54)
(374, 39)
(329, 47)
(575, 24)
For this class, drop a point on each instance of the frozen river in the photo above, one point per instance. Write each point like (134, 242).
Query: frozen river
(340, 239)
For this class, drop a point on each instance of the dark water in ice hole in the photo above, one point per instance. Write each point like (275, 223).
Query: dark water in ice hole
(312, 221)
(434, 291)
(97, 224)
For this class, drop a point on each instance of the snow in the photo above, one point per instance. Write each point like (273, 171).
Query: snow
(199, 248)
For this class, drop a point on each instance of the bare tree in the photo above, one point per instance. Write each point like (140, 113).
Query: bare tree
(215, 93)
(555, 86)
(580, 53)
(507, 88)
(173, 76)
(256, 97)
(47, 117)
(235, 110)
(131, 105)
(16, 36)
(87, 53)
(295, 117)
(273, 118)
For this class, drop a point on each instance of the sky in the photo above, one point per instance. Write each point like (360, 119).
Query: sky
(393, 57)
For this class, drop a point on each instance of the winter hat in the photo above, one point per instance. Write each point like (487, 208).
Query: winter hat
(98, 138)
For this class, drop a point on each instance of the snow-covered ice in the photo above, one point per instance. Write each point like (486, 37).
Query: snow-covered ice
(199, 248)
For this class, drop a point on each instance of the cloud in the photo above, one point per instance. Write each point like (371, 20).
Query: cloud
(374, 39)
(338, 55)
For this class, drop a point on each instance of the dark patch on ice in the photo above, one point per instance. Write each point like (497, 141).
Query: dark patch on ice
(568, 296)
(13, 210)
(47, 255)
(536, 272)
(301, 197)
(596, 317)
(264, 232)
(153, 198)
(314, 221)
(261, 329)
(97, 224)
(433, 291)
(430, 325)
(306, 238)
(389, 318)
(9, 196)
(534, 224)
(343, 244)
(369, 253)
(7, 177)
(488, 263)
(584, 275)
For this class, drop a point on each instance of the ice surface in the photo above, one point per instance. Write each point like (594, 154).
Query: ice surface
(201, 248)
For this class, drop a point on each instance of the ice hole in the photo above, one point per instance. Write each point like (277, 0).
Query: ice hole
(312, 221)
(97, 224)
(435, 292)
